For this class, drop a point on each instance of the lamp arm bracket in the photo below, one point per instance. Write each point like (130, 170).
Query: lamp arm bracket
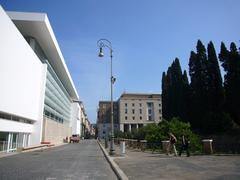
(104, 43)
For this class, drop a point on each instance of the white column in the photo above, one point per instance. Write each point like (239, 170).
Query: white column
(28, 138)
(24, 140)
(122, 127)
(136, 126)
(9, 141)
(130, 127)
(17, 139)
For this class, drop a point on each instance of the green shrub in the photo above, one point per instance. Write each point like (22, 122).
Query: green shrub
(155, 133)
(176, 126)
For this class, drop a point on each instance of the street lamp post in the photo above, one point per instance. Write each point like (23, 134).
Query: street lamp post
(102, 43)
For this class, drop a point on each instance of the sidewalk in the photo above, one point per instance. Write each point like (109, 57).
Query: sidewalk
(5, 154)
(147, 165)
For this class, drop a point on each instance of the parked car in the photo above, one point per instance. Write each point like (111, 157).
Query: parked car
(75, 138)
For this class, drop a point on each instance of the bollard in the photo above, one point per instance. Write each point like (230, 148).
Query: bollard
(165, 146)
(122, 147)
(207, 146)
(143, 145)
(134, 141)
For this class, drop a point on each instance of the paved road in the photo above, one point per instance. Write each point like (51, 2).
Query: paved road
(74, 161)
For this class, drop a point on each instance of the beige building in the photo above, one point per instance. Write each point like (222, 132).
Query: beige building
(83, 120)
(137, 110)
(88, 126)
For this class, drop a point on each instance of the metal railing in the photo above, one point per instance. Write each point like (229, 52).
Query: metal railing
(5, 147)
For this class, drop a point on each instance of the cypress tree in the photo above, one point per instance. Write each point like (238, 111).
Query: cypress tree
(212, 119)
(185, 97)
(231, 63)
(193, 88)
(177, 88)
(215, 87)
(185, 78)
(199, 85)
(164, 96)
(174, 85)
(170, 97)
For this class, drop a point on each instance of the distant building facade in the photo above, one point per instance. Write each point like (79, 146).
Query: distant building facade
(131, 111)
(104, 118)
(137, 110)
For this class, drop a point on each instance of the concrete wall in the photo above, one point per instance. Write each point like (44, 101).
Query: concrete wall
(12, 126)
(22, 77)
(21, 73)
(55, 132)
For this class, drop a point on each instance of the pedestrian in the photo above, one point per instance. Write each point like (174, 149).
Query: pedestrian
(184, 144)
(171, 144)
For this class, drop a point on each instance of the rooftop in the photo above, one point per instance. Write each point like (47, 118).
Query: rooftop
(38, 26)
(140, 95)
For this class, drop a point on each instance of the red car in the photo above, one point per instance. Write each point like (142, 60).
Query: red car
(75, 138)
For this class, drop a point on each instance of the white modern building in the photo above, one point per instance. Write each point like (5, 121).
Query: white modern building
(36, 88)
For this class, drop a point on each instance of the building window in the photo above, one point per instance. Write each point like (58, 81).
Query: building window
(133, 104)
(126, 128)
(125, 117)
(140, 111)
(150, 118)
(149, 111)
(140, 117)
(160, 111)
(133, 117)
(140, 104)
(125, 104)
(160, 117)
(126, 111)
(133, 111)
(159, 105)
(149, 104)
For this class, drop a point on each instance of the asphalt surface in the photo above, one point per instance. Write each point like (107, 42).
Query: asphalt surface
(73, 161)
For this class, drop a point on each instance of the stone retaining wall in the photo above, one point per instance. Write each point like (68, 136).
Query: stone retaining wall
(54, 132)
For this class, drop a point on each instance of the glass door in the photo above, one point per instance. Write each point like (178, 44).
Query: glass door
(3, 141)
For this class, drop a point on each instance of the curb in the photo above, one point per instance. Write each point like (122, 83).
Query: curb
(226, 154)
(119, 173)
(43, 148)
(31, 150)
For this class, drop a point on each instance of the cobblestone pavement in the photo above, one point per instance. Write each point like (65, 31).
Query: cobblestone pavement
(145, 165)
(69, 162)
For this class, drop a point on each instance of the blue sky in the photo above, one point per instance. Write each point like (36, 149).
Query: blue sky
(146, 37)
